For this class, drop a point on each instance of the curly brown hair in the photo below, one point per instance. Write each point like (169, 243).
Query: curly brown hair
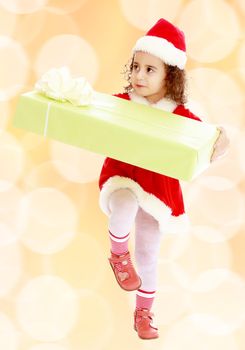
(175, 81)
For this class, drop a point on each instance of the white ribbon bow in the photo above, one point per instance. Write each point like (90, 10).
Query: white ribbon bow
(58, 84)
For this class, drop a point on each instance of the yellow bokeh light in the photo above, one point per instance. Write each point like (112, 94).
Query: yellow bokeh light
(185, 334)
(44, 175)
(11, 268)
(47, 308)
(9, 206)
(7, 22)
(218, 94)
(23, 6)
(173, 246)
(171, 302)
(227, 171)
(224, 302)
(49, 346)
(22, 32)
(93, 303)
(211, 29)
(241, 4)
(30, 141)
(12, 156)
(14, 64)
(65, 6)
(68, 50)
(241, 60)
(198, 257)
(4, 113)
(220, 209)
(208, 233)
(72, 263)
(9, 338)
(47, 220)
(239, 144)
(144, 13)
(76, 164)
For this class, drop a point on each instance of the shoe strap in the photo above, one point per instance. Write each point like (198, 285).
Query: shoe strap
(120, 258)
(144, 313)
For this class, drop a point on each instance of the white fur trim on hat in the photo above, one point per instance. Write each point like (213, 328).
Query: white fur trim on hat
(147, 201)
(161, 48)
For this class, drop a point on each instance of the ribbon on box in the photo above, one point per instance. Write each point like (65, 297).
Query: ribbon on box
(58, 84)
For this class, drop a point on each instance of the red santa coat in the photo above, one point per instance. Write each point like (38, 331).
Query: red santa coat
(157, 194)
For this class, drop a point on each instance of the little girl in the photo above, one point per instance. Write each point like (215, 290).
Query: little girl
(130, 194)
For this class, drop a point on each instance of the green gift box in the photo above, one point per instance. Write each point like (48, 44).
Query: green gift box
(138, 134)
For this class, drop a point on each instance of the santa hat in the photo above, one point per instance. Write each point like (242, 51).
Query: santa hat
(165, 41)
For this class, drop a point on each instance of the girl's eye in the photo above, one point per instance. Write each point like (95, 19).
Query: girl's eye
(149, 69)
(135, 66)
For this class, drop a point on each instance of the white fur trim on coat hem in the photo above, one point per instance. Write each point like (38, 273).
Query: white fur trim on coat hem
(147, 201)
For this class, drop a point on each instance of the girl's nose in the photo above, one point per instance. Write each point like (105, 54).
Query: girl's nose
(140, 74)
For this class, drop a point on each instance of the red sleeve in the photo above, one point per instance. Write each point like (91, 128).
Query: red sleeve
(125, 96)
(185, 112)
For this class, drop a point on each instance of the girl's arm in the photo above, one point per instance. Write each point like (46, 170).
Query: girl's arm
(221, 145)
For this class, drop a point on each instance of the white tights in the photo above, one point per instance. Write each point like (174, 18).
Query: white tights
(124, 212)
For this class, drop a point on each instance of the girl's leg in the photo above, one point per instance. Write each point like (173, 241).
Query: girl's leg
(147, 246)
(124, 206)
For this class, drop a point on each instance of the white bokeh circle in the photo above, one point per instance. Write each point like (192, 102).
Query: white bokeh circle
(219, 299)
(76, 164)
(144, 13)
(211, 28)
(102, 324)
(36, 22)
(47, 308)
(4, 114)
(229, 170)
(69, 264)
(241, 3)
(68, 50)
(14, 68)
(13, 158)
(219, 95)
(221, 210)
(49, 346)
(198, 257)
(7, 22)
(9, 211)
(44, 175)
(47, 220)
(11, 264)
(239, 148)
(9, 337)
(23, 6)
(174, 301)
(241, 60)
(185, 334)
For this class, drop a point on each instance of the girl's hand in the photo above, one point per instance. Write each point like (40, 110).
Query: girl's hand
(221, 145)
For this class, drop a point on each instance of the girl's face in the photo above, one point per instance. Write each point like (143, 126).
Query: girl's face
(148, 76)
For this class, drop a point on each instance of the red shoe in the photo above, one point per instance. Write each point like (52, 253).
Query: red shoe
(124, 271)
(143, 324)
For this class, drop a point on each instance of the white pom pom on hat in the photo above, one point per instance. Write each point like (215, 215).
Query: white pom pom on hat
(165, 41)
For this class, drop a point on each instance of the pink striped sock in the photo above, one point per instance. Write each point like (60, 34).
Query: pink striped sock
(119, 245)
(144, 299)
